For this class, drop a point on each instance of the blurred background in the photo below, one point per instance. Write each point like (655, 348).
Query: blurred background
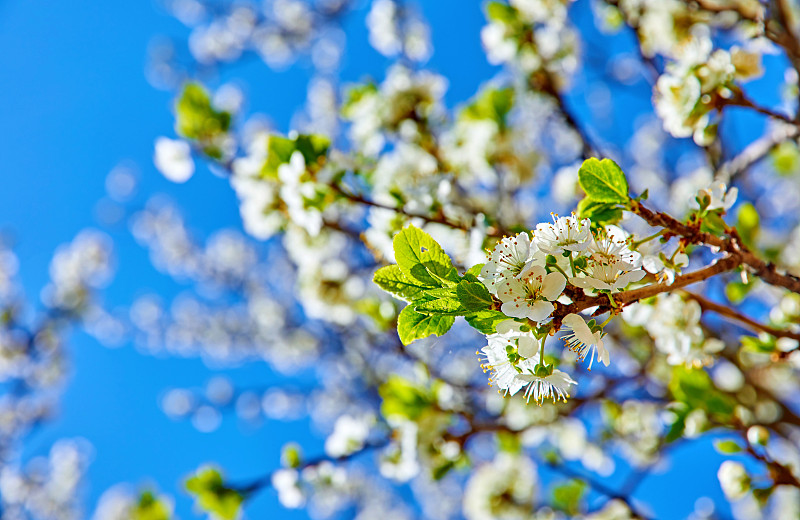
(89, 87)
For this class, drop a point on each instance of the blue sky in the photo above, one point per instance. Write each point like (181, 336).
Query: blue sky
(76, 104)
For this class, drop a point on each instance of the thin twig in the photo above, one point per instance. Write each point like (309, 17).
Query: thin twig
(708, 305)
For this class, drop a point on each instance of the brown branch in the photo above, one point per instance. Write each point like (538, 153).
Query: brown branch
(434, 219)
(779, 473)
(754, 152)
(767, 271)
(582, 302)
(708, 305)
(543, 81)
(739, 100)
(789, 40)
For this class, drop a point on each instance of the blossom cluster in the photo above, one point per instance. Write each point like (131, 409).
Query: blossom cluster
(529, 275)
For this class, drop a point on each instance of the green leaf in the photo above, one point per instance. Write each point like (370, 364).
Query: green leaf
(420, 257)
(440, 306)
(312, 146)
(291, 455)
(713, 223)
(474, 271)
(786, 158)
(567, 497)
(401, 397)
(441, 471)
(356, 93)
(678, 426)
(727, 446)
(392, 280)
(195, 117)
(150, 507)
(747, 223)
(509, 442)
(737, 291)
(212, 495)
(486, 321)
(603, 181)
(695, 389)
(492, 103)
(280, 150)
(600, 213)
(412, 325)
(500, 12)
(474, 296)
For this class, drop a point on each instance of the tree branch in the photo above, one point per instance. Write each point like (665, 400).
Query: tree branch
(767, 271)
(708, 305)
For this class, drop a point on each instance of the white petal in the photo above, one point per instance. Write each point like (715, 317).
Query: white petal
(514, 310)
(510, 289)
(508, 327)
(579, 327)
(527, 346)
(602, 353)
(539, 310)
(553, 285)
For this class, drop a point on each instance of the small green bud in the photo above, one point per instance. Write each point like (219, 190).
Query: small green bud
(291, 456)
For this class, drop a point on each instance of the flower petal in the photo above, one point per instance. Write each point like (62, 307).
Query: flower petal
(539, 310)
(514, 309)
(553, 285)
(527, 346)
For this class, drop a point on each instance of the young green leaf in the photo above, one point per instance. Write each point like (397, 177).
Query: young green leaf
(727, 447)
(195, 117)
(420, 257)
(212, 495)
(412, 325)
(442, 306)
(486, 321)
(392, 280)
(473, 296)
(603, 181)
(150, 507)
(600, 213)
(280, 150)
(402, 398)
(568, 496)
(474, 271)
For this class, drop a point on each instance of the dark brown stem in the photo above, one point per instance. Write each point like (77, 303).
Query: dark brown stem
(434, 219)
(767, 271)
(741, 101)
(582, 302)
(708, 305)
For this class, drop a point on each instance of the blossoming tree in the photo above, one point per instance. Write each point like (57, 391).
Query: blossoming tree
(627, 292)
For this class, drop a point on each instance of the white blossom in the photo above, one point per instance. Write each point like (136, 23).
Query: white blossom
(583, 341)
(502, 489)
(503, 361)
(665, 269)
(564, 234)
(286, 482)
(510, 257)
(530, 294)
(733, 479)
(348, 436)
(554, 386)
(608, 277)
(400, 462)
(612, 248)
(173, 158)
(718, 196)
(296, 194)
